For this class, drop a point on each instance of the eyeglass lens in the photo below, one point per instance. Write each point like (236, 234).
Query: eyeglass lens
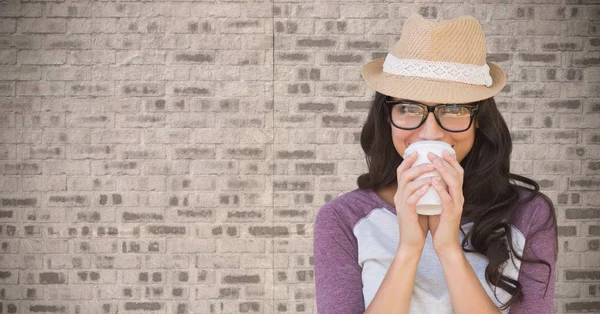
(452, 117)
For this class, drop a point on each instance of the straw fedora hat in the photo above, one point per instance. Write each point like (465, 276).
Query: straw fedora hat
(437, 61)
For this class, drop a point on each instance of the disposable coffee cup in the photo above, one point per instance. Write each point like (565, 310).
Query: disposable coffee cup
(430, 203)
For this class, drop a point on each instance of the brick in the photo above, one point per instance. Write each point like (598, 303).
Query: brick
(171, 261)
(591, 260)
(536, 90)
(556, 137)
(538, 58)
(21, 10)
(345, 26)
(315, 169)
(48, 25)
(342, 89)
(19, 73)
(373, 11)
(582, 306)
(119, 10)
(216, 261)
(567, 290)
(567, 231)
(222, 10)
(570, 260)
(68, 10)
(557, 167)
(315, 42)
(104, 246)
(242, 279)
(308, 10)
(534, 121)
(294, 26)
(165, 230)
(176, 245)
(105, 276)
(241, 245)
(583, 183)
(585, 60)
(34, 246)
(343, 58)
(143, 306)
(582, 213)
(537, 27)
(72, 292)
(146, 25)
(521, 136)
(67, 41)
(44, 306)
(559, 44)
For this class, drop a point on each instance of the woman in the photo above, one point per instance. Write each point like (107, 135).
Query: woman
(493, 249)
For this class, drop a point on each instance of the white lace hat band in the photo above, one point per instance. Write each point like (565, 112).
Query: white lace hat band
(450, 71)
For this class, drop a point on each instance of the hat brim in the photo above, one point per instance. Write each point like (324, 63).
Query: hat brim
(430, 90)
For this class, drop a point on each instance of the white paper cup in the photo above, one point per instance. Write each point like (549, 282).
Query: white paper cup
(430, 203)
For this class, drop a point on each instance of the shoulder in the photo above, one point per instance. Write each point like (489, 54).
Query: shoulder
(534, 211)
(347, 208)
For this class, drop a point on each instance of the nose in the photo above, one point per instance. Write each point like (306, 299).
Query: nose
(431, 130)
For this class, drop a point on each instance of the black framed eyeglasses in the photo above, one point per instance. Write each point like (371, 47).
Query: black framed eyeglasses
(410, 115)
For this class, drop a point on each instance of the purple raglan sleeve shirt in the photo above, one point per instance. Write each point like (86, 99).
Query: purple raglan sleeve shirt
(339, 275)
(537, 279)
(337, 272)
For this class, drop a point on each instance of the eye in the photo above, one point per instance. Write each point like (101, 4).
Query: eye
(455, 110)
(406, 108)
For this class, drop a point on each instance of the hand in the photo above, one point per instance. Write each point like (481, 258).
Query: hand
(413, 227)
(445, 227)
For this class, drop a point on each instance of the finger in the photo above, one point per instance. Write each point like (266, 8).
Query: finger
(447, 204)
(406, 164)
(446, 171)
(403, 193)
(449, 174)
(455, 185)
(413, 186)
(415, 197)
(409, 161)
(452, 161)
(414, 172)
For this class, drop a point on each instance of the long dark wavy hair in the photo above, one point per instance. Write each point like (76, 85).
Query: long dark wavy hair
(490, 191)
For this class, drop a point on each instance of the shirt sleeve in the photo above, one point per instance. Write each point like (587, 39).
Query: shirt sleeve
(538, 281)
(338, 281)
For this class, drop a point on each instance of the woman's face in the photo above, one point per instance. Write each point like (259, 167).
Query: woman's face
(461, 142)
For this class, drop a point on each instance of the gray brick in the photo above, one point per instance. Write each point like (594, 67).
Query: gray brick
(48, 25)
(119, 10)
(582, 306)
(582, 275)
(582, 213)
(375, 11)
(10, 9)
(346, 26)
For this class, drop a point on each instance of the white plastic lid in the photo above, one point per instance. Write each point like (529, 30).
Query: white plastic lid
(431, 146)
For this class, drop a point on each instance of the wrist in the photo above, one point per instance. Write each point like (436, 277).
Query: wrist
(450, 255)
(405, 251)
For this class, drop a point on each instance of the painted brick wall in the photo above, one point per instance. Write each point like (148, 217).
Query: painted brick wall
(170, 157)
